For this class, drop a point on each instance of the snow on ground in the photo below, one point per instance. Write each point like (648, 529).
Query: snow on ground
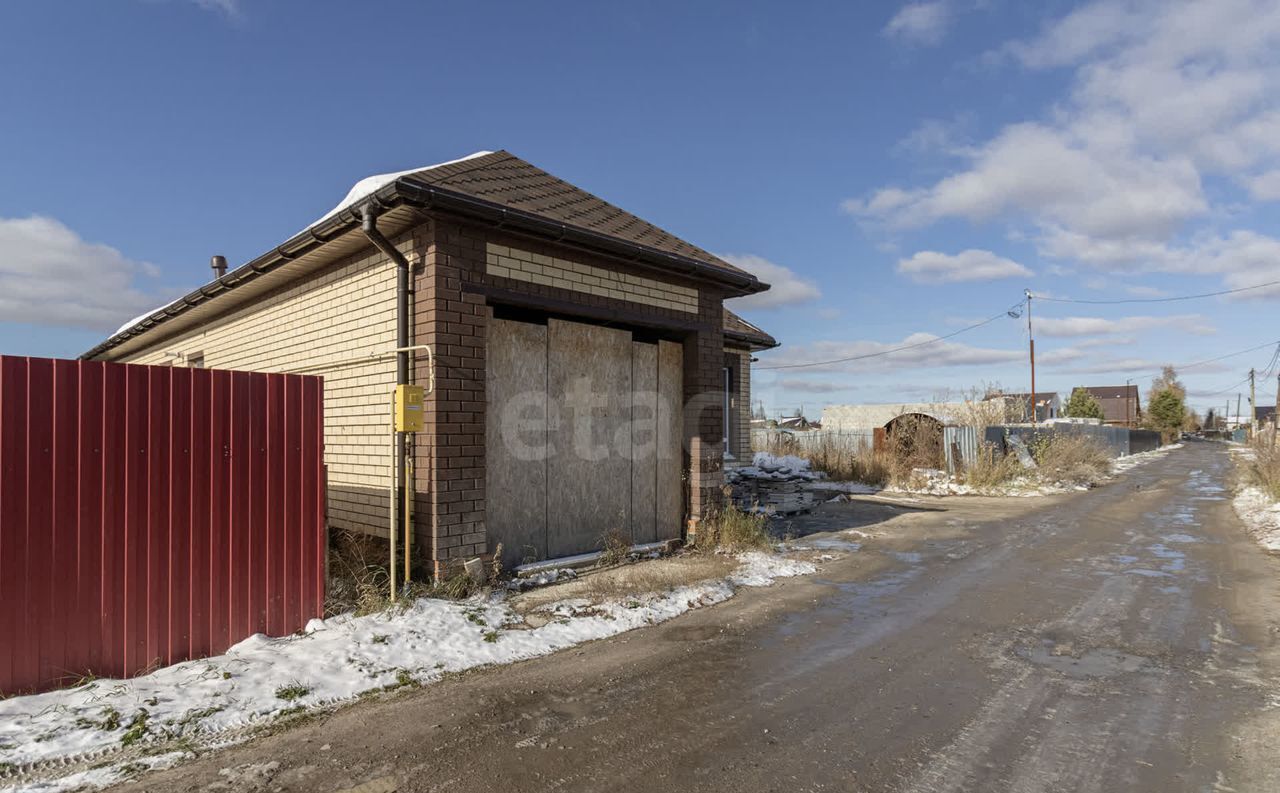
(1122, 464)
(933, 482)
(106, 726)
(1261, 514)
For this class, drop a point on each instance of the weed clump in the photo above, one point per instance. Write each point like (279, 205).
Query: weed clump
(732, 529)
(992, 468)
(292, 691)
(1263, 471)
(1070, 459)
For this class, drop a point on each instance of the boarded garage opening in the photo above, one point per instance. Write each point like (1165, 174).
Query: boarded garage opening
(582, 438)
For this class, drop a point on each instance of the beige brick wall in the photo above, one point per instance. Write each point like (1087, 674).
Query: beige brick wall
(536, 268)
(345, 311)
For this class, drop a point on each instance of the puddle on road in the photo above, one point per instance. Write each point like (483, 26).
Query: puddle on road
(1179, 538)
(1165, 552)
(1103, 662)
(1145, 573)
(910, 557)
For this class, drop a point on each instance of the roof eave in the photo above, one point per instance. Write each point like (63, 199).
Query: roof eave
(405, 191)
(431, 197)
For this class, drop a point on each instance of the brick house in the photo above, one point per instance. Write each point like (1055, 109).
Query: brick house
(585, 374)
(1120, 404)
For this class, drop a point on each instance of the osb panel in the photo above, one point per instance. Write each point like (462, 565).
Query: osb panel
(670, 427)
(515, 434)
(589, 379)
(644, 458)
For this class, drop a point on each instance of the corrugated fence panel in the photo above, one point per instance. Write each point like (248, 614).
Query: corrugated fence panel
(1118, 441)
(809, 440)
(962, 441)
(150, 514)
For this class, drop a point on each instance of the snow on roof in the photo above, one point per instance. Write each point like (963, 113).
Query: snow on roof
(141, 317)
(358, 192)
(372, 184)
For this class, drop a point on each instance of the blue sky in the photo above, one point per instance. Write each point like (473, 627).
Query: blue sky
(899, 171)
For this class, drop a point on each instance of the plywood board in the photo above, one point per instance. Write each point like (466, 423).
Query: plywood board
(515, 440)
(644, 442)
(589, 408)
(670, 430)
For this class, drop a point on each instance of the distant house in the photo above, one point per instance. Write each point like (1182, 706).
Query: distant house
(1120, 404)
(1018, 406)
(798, 423)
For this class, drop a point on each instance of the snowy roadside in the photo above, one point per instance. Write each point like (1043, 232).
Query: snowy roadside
(107, 730)
(1259, 512)
(932, 482)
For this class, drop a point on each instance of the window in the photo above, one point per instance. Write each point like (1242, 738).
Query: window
(195, 361)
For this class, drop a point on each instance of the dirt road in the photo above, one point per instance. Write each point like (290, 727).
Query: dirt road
(1120, 639)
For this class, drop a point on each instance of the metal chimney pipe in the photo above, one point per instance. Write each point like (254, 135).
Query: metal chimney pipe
(219, 265)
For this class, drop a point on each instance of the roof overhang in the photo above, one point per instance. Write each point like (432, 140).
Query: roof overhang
(401, 204)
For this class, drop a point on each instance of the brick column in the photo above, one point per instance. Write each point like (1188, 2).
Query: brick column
(704, 409)
(450, 472)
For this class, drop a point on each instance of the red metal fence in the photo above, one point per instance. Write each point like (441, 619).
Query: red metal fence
(151, 514)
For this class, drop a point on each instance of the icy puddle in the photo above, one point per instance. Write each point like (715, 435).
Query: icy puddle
(1103, 662)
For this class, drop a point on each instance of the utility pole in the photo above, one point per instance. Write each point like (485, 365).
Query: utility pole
(1128, 403)
(1237, 409)
(1031, 336)
(1275, 415)
(1253, 405)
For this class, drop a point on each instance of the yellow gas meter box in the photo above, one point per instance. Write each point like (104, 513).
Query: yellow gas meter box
(409, 409)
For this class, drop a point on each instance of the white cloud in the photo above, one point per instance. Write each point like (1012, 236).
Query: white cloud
(814, 386)
(1033, 172)
(1097, 326)
(921, 23)
(970, 265)
(786, 287)
(931, 355)
(229, 7)
(49, 275)
(1170, 121)
(1265, 186)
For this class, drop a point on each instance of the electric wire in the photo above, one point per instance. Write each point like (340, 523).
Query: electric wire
(1156, 299)
(1009, 312)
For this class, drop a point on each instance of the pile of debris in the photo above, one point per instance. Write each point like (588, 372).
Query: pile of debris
(774, 485)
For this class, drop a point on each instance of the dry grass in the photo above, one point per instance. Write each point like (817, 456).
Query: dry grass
(842, 459)
(1263, 470)
(615, 548)
(992, 468)
(358, 578)
(657, 576)
(1071, 459)
(359, 582)
(732, 529)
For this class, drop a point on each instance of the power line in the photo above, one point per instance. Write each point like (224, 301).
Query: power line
(1157, 299)
(1007, 312)
(1184, 366)
(1226, 390)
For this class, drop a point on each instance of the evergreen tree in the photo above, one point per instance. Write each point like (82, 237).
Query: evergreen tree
(1166, 411)
(1082, 405)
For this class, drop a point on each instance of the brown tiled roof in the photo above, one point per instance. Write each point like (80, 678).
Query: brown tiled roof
(505, 179)
(735, 327)
(1112, 391)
